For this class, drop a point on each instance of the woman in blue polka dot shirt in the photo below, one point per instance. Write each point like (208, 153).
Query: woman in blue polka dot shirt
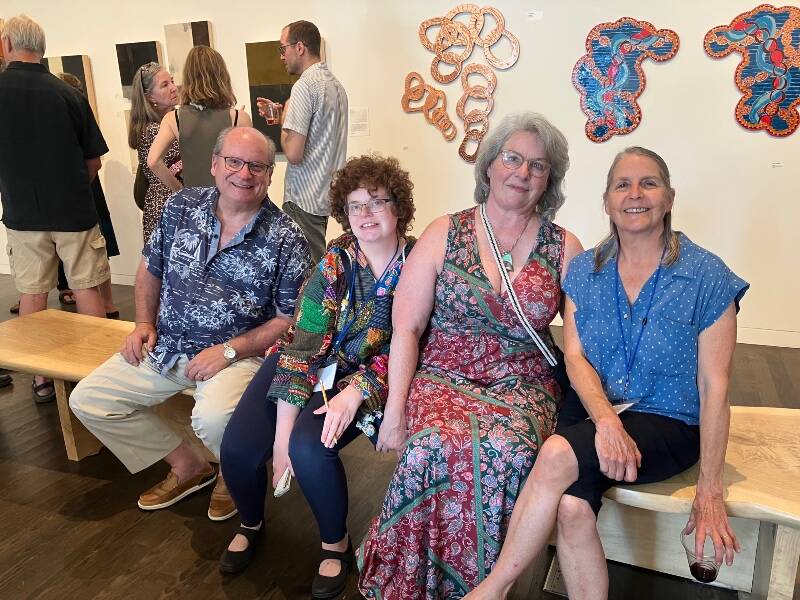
(650, 321)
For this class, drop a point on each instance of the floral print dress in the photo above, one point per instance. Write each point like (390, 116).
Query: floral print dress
(481, 403)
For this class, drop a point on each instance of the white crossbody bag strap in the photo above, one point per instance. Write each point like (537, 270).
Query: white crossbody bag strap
(548, 355)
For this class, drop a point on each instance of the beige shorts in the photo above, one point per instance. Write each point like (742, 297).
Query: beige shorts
(33, 257)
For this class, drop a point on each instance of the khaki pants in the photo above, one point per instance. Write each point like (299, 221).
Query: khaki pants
(114, 403)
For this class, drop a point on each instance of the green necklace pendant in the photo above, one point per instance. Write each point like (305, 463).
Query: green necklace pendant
(508, 263)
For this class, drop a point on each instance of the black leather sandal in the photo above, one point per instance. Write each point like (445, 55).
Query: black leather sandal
(236, 562)
(325, 587)
(40, 398)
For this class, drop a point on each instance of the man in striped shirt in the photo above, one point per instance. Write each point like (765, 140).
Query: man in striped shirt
(314, 132)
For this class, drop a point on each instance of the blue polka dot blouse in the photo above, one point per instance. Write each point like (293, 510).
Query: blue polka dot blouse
(692, 294)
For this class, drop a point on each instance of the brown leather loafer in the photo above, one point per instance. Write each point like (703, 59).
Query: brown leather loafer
(169, 491)
(221, 506)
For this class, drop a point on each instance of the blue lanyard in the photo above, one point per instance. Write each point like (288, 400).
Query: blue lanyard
(630, 357)
(351, 297)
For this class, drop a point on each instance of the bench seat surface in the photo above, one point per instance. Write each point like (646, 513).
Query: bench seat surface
(762, 471)
(762, 468)
(36, 343)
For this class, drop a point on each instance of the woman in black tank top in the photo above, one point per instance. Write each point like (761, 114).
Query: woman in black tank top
(207, 107)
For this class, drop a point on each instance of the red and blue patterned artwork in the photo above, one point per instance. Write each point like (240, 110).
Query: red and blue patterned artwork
(768, 39)
(609, 77)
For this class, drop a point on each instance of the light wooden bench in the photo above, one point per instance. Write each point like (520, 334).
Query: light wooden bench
(640, 525)
(67, 347)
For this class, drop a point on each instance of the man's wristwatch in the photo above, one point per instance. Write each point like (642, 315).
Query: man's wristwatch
(229, 353)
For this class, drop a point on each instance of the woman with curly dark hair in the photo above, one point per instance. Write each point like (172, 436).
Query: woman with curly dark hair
(325, 381)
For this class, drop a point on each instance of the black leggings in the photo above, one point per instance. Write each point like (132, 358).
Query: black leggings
(247, 446)
(668, 447)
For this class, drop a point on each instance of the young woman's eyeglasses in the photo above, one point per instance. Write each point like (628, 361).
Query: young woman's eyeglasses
(513, 161)
(237, 164)
(373, 205)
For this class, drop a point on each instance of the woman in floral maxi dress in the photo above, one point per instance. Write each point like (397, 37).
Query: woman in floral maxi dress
(482, 398)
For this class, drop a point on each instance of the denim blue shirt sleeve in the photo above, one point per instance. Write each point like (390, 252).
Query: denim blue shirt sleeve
(211, 294)
(692, 294)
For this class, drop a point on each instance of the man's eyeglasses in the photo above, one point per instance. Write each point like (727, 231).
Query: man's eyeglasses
(282, 49)
(237, 164)
(513, 161)
(373, 205)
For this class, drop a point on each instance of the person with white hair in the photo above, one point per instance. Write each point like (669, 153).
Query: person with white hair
(50, 152)
(473, 388)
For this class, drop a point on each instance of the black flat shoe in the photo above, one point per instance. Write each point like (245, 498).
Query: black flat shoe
(236, 562)
(325, 587)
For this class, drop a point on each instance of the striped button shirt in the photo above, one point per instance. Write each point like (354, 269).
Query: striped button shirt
(318, 110)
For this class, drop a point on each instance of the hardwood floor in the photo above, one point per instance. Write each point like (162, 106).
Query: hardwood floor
(72, 530)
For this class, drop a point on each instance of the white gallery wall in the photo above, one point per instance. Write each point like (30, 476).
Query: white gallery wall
(736, 190)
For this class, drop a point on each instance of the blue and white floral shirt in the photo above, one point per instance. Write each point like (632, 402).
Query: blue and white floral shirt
(692, 294)
(211, 294)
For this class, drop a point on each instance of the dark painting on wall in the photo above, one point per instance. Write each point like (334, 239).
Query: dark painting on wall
(80, 67)
(130, 57)
(267, 78)
(180, 38)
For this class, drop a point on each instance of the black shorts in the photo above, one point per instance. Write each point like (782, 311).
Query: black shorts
(668, 447)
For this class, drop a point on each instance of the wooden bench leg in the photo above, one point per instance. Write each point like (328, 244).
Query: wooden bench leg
(776, 563)
(77, 439)
(784, 563)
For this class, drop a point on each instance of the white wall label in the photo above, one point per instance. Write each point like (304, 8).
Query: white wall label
(535, 14)
(359, 121)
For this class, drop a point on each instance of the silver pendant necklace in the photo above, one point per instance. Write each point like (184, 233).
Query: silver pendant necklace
(505, 255)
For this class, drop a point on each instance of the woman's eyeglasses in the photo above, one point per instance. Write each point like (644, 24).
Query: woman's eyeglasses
(513, 161)
(373, 205)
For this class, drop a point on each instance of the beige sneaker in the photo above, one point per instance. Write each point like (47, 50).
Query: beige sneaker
(169, 491)
(221, 506)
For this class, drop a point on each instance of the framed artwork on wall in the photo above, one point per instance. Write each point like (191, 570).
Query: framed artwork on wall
(610, 78)
(180, 38)
(267, 78)
(133, 55)
(79, 66)
(768, 75)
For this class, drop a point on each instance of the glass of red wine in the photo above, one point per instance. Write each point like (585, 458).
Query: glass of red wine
(703, 568)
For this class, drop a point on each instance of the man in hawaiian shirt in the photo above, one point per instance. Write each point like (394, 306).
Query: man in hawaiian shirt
(216, 286)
